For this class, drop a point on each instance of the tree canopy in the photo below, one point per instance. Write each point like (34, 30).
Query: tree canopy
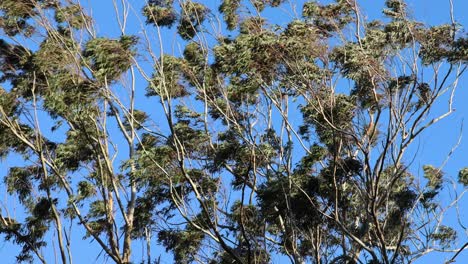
(221, 135)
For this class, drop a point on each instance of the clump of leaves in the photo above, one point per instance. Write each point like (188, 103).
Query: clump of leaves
(75, 150)
(85, 190)
(248, 217)
(193, 15)
(328, 18)
(13, 58)
(362, 66)
(261, 4)
(9, 142)
(460, 50)
(434, 176)
(8, 103)
(193, 139)
(396, 9)
(229, 9)
(436, 44)
(167, 80)
(136, 120)
(30, 234)
(53, 56)
(251, 60)
(194, 54)
(445, 235)
(340, 110)
(20, 180)
(144, 210)
(160, 12)
(73, 15)
(184, 243)
(14, 15)
(21, 8)
(109, 58)
(424, 94)
(463, 176)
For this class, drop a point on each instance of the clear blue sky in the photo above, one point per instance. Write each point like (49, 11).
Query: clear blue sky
(433, 146)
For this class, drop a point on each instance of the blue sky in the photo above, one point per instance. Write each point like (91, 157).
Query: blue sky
(433, 147)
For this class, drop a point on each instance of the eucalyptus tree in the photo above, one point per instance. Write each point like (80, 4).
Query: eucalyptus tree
(249, 141)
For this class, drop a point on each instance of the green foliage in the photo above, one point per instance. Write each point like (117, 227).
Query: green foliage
(340, 109)
(14, 16)
(434, 177)
(192, 17)
(192, 139)
(76, 149)
(52, 57)
(445, 235)
(460, 51)
(463, 176)
(268, 140)
(184, 243)
(194, 54)
(160, 12)
(109, 58)
(274, 209)
(251, 60)
(396, 9)
(20, 181)
(167, 80)
(10, 143)
(85, 190)
(144, 211)
(13, 58)
(30, 234)
(97, 209)
(73, 15)
(436, 44)
(328, 18)
(229, 9)
(8, 103)
(136, 121)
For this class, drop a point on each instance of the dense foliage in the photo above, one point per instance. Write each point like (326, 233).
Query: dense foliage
(273, 140)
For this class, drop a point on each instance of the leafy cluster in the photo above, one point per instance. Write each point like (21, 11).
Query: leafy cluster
(272, 140)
